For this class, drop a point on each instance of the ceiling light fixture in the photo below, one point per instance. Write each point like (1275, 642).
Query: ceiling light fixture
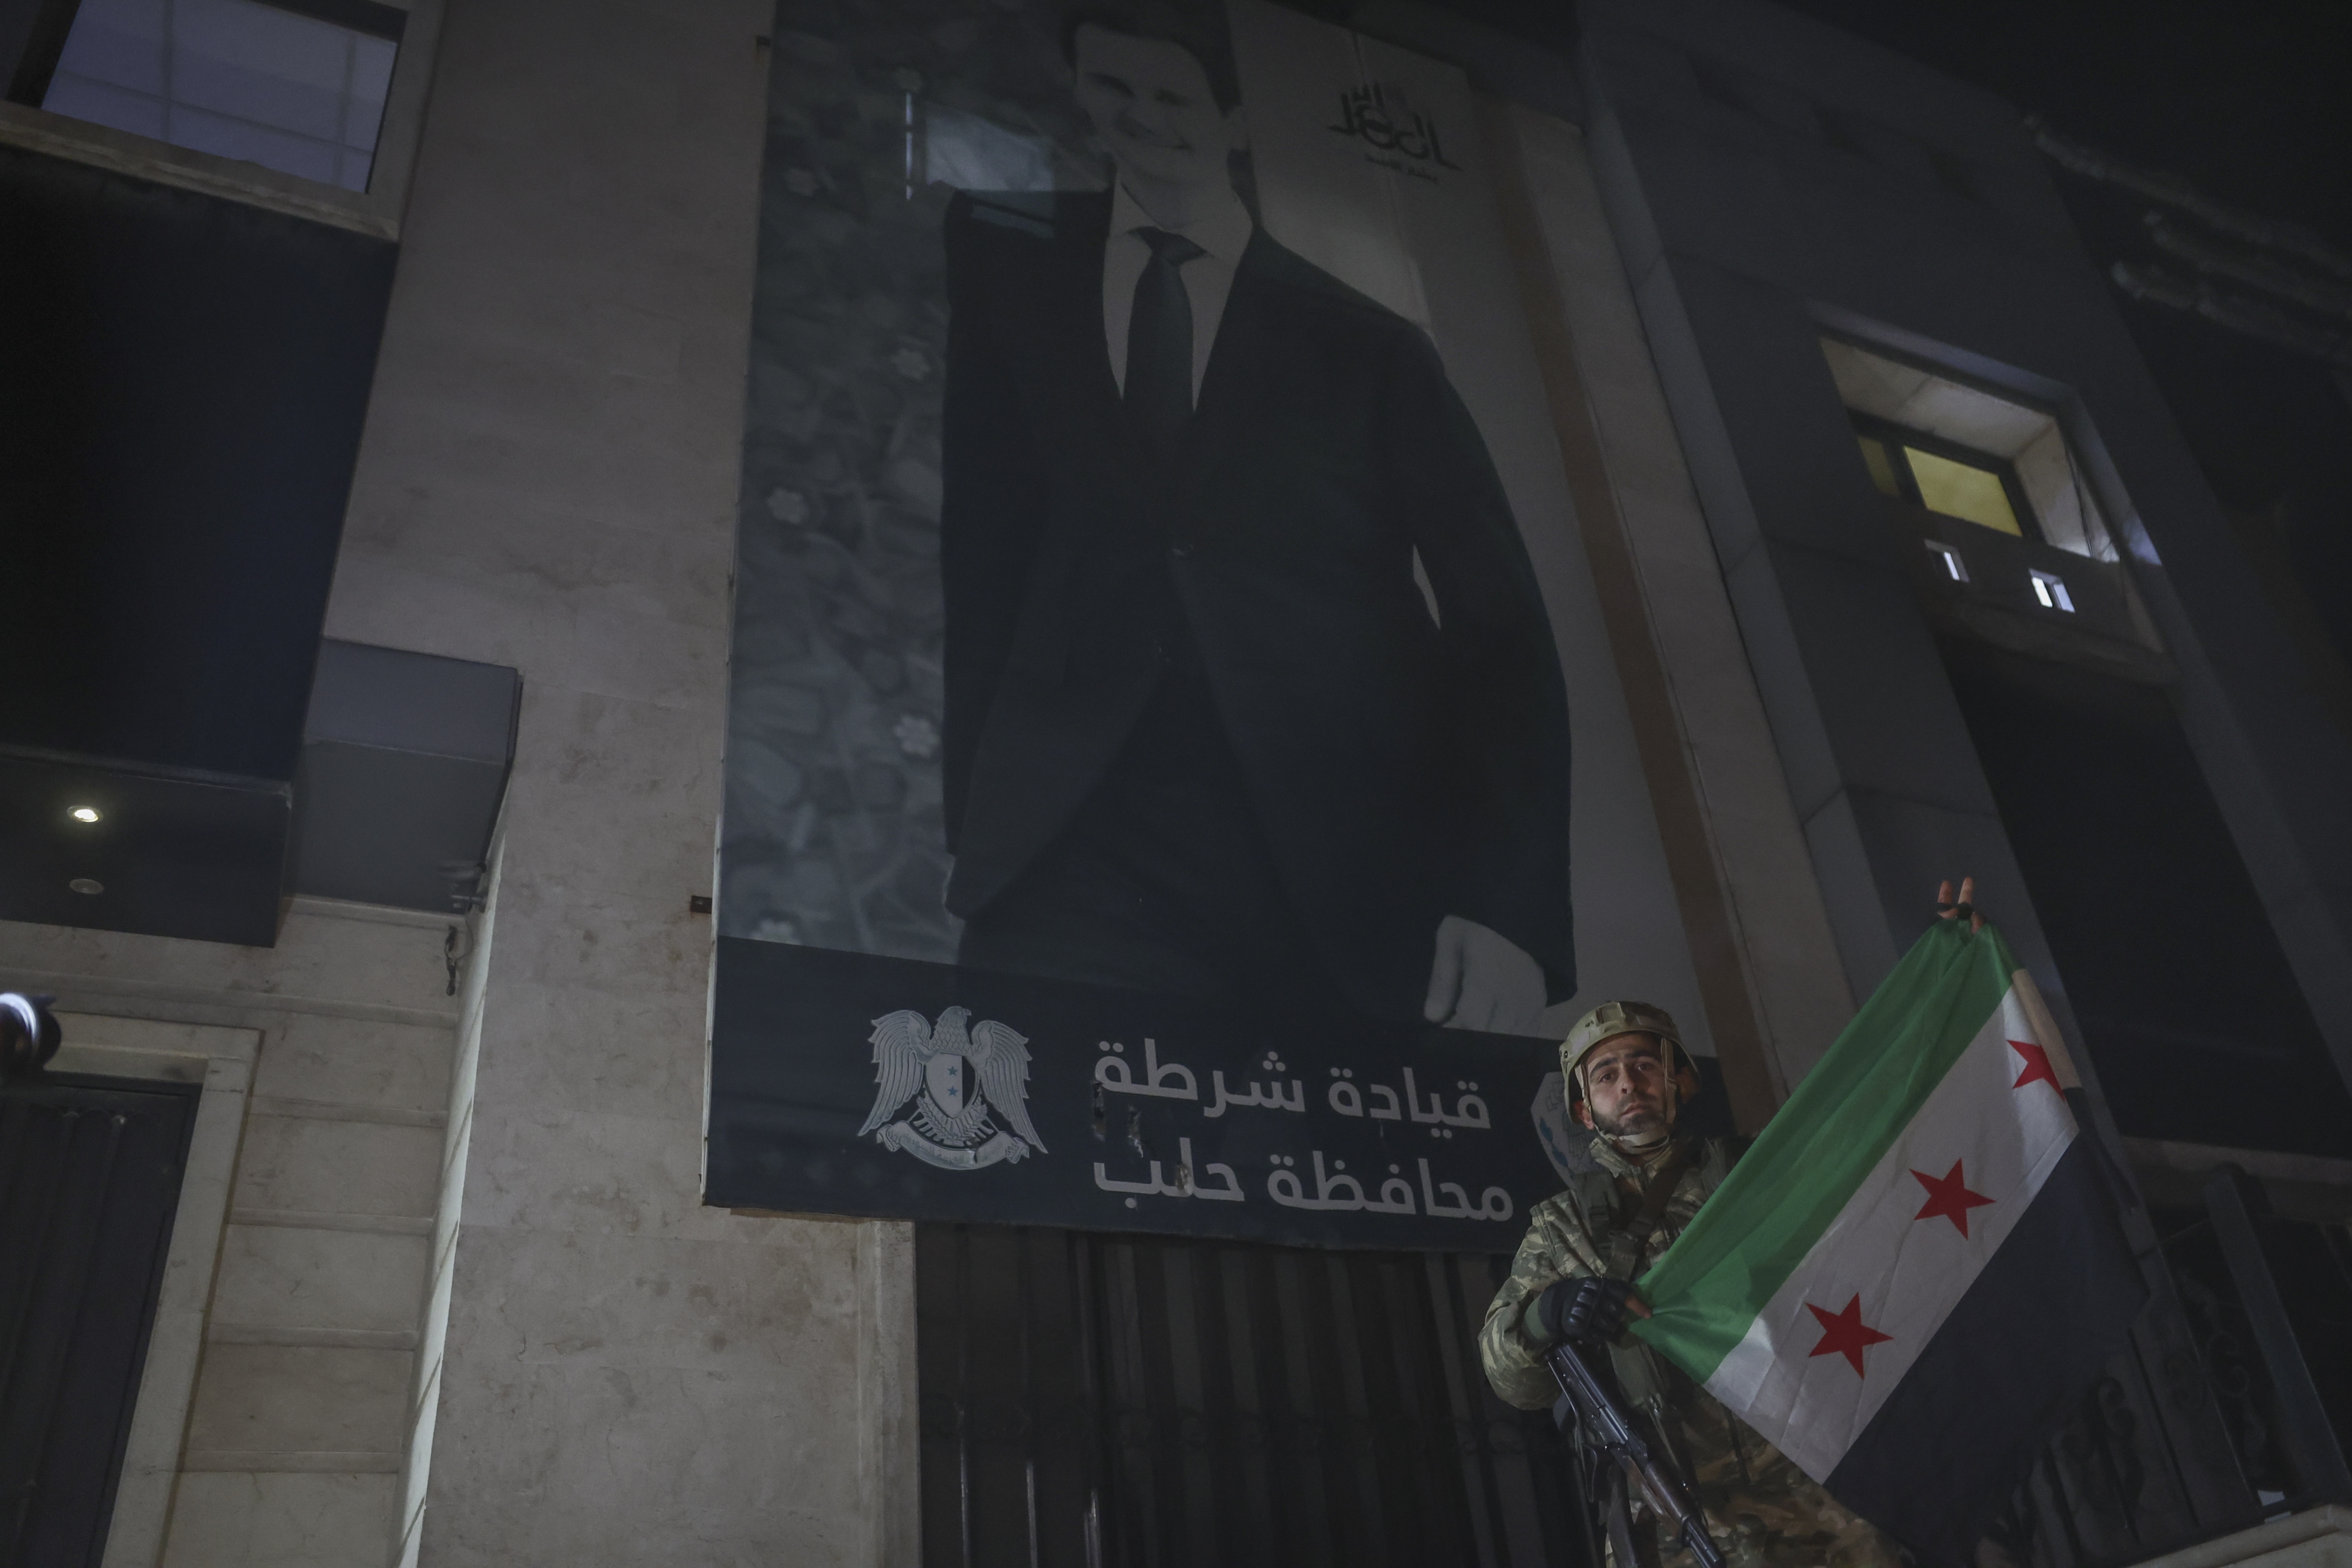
(84, 814)
(87, 885)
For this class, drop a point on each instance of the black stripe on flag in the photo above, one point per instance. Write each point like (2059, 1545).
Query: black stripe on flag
(2052, 1305)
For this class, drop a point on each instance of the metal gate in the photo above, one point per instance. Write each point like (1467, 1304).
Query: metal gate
(1101, 1400)
(89, 1177)
(2232, 1402)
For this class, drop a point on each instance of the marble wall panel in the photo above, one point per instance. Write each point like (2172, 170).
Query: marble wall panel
(607, 755)
(647, 573)
(234, 1518)
(337, 1166)
(544, 549)
(624, 1465)
(394, 1066)
(588, 1301)
(660, 660)
(550, 1170)
(625, 1050)
(414, 600)
(661, 862)
(297, 1278)
(282, 1399)
(567, 934)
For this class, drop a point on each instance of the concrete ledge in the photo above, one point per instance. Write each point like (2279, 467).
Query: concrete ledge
(105, 995)
(328, 1339)
(2317, 1538)
(315, 1219)
(341, 1110)
(2269, 1165)
(302, 1462)
(2300, 1186)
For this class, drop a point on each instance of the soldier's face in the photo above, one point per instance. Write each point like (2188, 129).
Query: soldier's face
(1151, 101)
(1625, 1087)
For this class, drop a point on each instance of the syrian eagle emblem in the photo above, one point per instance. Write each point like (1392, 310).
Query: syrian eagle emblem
(969, 1085)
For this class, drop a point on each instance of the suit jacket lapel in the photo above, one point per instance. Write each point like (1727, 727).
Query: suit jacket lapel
(1244, 373)
(1053, 331)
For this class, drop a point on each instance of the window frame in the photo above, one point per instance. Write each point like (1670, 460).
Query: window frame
(1895, 437)
(377, 211)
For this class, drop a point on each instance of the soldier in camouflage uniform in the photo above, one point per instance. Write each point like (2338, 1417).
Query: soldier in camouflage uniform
(1626, 1078)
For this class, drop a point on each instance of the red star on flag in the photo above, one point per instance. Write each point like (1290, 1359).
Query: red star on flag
(1844, 1334)
(2037, 1065)
(1948, 1196)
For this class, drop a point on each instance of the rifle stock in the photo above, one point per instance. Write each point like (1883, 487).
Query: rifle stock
(1597, 1408)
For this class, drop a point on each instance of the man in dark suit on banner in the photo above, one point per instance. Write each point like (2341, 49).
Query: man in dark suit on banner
(1206, 733)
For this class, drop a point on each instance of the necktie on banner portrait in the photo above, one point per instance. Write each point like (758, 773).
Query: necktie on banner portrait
(1920, 1265)
(1158, 392)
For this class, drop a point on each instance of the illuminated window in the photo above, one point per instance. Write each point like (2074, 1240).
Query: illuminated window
(2007, 464)
(1963, 490)
(1954, 567)
(297, 86)
(2052, 592)
(1881, 466)
(1944, 477)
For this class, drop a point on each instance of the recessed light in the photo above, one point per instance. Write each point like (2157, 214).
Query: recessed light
(86, 885)
(84, 814)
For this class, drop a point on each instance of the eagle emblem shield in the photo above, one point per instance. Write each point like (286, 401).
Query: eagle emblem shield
(969, 1085)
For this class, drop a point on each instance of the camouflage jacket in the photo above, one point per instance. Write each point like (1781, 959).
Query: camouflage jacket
(1762, 1511)
(1558, 1245)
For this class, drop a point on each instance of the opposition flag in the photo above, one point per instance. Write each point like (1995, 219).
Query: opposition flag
(1919, 1264)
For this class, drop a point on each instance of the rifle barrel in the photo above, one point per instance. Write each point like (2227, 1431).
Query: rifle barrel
(1597, 1408)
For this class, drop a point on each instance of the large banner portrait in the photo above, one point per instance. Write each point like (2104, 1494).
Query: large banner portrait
(1177, 779)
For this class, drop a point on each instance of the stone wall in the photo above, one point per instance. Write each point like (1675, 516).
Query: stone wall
(469, 1308)
(548, 480)
(278, 1376)
(1767, 963)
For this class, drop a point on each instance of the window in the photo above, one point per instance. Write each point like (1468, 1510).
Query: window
(1947, 479)
(1962, 489)
(1964, 451)
(2050, 591)
(1876, 457)
(1954, 567)
(297, 86)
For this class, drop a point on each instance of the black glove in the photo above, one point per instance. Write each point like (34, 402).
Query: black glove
(1589, 1310)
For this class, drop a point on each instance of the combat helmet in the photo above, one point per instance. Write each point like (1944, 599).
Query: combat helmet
(1608, 1021)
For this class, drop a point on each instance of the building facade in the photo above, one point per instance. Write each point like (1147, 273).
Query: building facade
(1869, 546)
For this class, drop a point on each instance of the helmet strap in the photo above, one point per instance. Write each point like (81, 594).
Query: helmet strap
(1669, 1098)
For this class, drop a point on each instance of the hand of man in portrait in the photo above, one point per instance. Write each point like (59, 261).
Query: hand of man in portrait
(1481, 979)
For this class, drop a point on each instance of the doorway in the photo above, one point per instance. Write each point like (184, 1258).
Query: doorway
(89, 1178)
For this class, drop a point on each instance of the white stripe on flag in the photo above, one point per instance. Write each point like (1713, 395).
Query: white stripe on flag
(1906, 1271)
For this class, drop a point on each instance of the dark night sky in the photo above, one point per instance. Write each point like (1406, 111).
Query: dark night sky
(2251, 100)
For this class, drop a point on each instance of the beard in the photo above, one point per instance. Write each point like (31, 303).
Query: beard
(1639, 1122)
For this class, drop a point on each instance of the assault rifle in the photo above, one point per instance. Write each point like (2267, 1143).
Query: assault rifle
(1597, 1408)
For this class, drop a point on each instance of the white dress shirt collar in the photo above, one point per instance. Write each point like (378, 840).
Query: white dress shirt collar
(1224, 235)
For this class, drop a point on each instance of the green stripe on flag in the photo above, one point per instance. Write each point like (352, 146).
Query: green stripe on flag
(1750, 1235)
